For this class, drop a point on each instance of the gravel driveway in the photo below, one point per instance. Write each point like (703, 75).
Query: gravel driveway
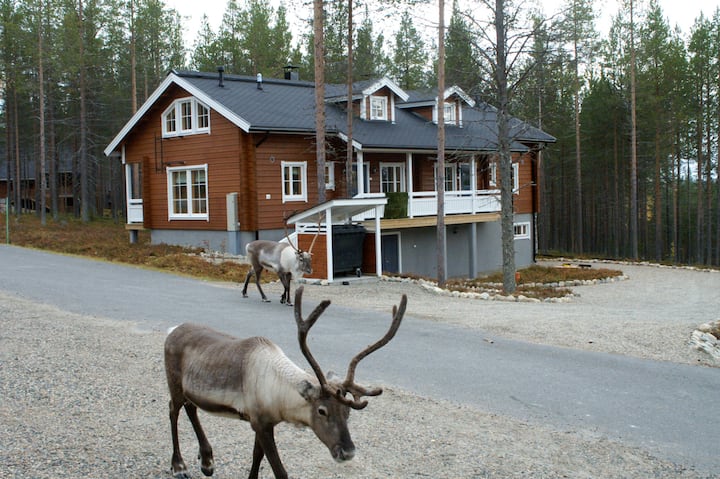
(85, 396)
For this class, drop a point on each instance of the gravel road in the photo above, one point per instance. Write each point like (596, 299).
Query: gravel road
(85, 396)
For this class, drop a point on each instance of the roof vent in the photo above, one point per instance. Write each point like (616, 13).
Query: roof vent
(220, 70)
(259, 81)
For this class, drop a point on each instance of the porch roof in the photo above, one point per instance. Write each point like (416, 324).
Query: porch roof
(339, 210)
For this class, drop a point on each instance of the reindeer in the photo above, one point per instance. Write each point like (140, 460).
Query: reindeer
(252, 379)
(283, 258)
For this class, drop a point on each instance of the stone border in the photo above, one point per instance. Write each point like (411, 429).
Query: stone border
(705, 338)
(432, 287)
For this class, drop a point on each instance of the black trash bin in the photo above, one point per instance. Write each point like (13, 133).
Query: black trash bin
(348, 248)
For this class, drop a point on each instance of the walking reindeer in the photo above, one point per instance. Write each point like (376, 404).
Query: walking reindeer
(252, 379)
(282, 257)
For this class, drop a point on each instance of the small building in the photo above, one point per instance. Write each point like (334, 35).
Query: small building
(217, 161)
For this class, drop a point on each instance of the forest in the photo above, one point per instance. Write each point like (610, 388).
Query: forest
(633, 174)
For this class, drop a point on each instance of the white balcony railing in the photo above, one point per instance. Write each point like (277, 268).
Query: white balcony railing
(424, 203)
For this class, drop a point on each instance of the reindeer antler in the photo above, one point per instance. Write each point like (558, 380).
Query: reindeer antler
(316, 236)
(303, 328)
(348, 385)
(287, 237)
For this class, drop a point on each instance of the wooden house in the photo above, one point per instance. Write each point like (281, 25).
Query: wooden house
(217, 161)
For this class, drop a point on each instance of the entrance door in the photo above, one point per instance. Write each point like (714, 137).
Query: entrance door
(390, 245)
(133, 180)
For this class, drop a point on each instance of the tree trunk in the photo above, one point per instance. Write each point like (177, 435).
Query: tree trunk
(578, 203)
(84, 167)
(658, 198)
(441, 233)
(41, 106)
(506, 193)
(319, 46)
(633, 145)
(16, 144)
(133, 60)
(350, 112)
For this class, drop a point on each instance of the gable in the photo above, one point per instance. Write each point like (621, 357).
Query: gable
(173, 79)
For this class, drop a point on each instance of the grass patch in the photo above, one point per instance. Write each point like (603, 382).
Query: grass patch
(104, 239)
(535, 281)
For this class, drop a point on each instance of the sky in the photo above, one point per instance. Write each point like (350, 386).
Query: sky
(679, 12)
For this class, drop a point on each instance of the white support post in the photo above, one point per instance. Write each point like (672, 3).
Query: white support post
(360, 174)
(378, 247)
(473, 184)
(329, 244)
(410, 187)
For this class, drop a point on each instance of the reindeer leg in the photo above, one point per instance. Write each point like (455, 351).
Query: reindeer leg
(285, 280)
(265, 435)
(206, 455)
(257, 283)
(178, 467)
(258, 455)
(247, 280)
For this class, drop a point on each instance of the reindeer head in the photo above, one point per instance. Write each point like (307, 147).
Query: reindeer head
(304, 262)
(303, 259)
(329, 398)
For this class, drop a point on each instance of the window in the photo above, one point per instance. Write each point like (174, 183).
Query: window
(365, 176)
(515, 176)
(378, 108)
(521, 230)
(449, 113)
(187, 192)
(392, 177)
(185, 117)
(203, 117)
(330, 175)
(457, 177)
(294, 179)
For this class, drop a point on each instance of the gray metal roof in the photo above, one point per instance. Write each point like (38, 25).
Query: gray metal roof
(289, 106)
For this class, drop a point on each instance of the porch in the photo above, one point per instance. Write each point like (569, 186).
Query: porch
(409, 181)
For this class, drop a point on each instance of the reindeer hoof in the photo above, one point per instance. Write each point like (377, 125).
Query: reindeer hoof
(208, 471)
(181, 475)
(265, 300)
(244, 295)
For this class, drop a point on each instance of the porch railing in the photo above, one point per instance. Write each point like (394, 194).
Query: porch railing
(424, 203)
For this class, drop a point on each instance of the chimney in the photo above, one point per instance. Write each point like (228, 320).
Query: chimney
(291, 72)
(220, 70)
(259, 81)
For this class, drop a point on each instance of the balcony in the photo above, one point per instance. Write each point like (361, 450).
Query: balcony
(424, 203)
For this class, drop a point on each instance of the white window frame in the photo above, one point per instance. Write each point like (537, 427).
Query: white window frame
(454, 176)
(381, 102)
(521, 230)
(287, 167)
(450, 112)
(515, 176)
(198, 118)
(330, 175)
(190, 199)
(400, 167)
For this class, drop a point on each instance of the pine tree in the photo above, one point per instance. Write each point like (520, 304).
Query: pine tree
(369, 60)
(410, 60)
(461, 66)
